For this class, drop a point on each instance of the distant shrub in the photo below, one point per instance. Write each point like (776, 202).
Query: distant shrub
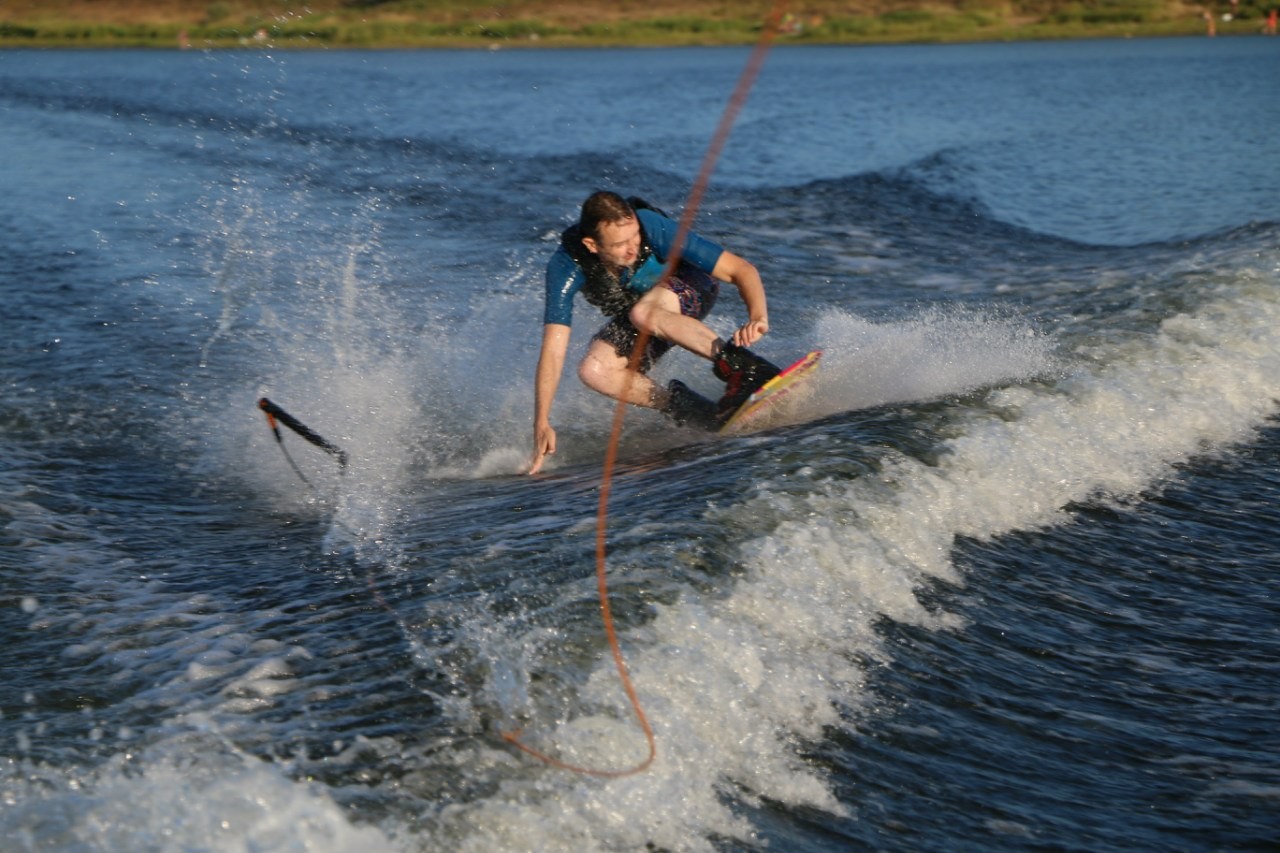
(1106, 12)
(850, 27)
(8, 30)
(908, 16)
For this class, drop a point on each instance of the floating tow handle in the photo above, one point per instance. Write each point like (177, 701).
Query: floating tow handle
(276, 414)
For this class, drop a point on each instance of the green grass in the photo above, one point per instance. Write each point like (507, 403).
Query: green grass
(532, 23)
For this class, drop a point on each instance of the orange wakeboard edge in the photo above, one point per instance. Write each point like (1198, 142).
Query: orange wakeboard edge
(775, 401)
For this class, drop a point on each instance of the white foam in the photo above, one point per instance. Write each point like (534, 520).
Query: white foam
(732, 686)
(192, 793)
(938, 352)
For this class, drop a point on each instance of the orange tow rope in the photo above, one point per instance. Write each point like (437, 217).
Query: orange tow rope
(736, 101)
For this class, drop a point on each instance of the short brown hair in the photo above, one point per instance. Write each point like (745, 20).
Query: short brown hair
(602, 206)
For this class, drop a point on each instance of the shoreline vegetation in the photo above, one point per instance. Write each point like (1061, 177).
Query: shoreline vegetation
(485, 24)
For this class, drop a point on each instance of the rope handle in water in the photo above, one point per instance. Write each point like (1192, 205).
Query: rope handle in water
(274, 413)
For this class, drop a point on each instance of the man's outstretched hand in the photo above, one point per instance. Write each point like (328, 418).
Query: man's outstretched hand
(544, 445)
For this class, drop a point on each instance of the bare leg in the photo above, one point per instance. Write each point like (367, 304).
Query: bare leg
(658, 313)
(605, 371)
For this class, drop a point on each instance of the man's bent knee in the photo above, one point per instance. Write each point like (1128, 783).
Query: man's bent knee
(596, 375)
(646, 315)
(611, 377)
(643, 317)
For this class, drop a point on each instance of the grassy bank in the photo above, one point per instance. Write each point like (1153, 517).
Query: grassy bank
(592, 23)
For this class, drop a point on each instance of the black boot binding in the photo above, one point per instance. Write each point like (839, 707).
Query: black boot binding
(743, 373)
(689, 408)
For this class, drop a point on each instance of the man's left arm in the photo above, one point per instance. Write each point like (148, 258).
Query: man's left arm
(721, 264)
(743, 275)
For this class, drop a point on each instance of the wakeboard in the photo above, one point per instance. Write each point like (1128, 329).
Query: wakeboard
(775, 402)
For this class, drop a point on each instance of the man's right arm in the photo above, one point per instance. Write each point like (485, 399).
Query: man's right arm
(555, 343)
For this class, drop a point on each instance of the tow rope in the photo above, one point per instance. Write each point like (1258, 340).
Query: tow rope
(745, 81)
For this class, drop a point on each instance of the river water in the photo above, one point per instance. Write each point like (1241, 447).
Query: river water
(1011, 585)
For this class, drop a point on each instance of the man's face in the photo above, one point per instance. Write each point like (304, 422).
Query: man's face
(618, 244)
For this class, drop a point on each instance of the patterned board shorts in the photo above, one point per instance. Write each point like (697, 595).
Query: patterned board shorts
(697, 293)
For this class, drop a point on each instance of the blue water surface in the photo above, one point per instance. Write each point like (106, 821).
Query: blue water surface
(1008, 581)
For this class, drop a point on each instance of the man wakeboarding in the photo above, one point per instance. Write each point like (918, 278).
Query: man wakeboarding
(615, 255)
